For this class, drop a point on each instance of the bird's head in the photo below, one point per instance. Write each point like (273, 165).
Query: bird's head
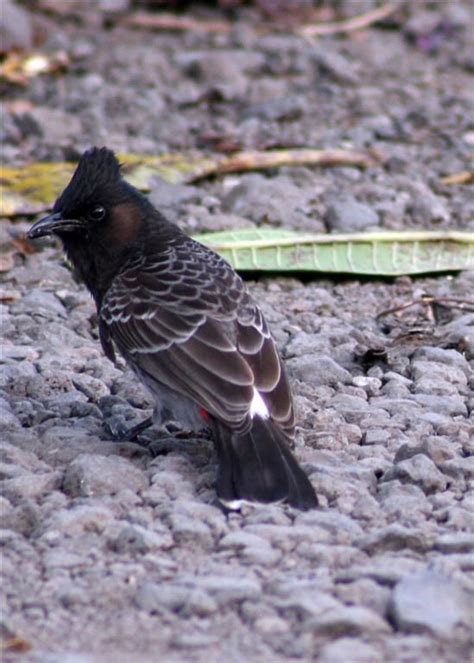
(91, 202)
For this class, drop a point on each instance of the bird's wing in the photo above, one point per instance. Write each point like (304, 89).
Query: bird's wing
(184, 317)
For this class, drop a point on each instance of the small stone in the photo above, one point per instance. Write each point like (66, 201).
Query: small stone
(332, 64)
(437, 448)
(318, 370)
(443, 356)
(271, 201)
(458, 542)
(443, 371)
(11, 454)
(459, 467)
(403, 501)
(16, 30)
(176, 598)
(425, 206)
(365, 592)
(376, 436)
(190, 531)
(271, 625)
(81, 518)
(349, 649)
(349, 216)
(61, 558)
(349, 621)
(24, 519)
(386, 569)
(348, 404)
(93, 388)
(41, 303)
(57, 126)
(431, 602)
(419, 470)
(193, 640)
(303, 599)
(251, 548)
(229, 589)
(394, 537)
(370, 384)
(450, 405)
(93, 474)
(7, 417)
(30, 485)
(341, 527)
(135, 539)
(239, 540)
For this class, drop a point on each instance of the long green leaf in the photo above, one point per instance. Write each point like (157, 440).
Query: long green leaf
(381, 254)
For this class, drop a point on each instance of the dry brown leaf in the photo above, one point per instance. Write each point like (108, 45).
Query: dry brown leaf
(464, 177)
(33, 188)
(15, 643)
(7, 261)
(18, 69)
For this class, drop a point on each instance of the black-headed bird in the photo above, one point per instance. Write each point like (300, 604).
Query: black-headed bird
(186, 324)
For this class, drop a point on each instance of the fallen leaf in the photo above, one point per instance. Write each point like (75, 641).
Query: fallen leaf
(33, 188)
(20, 68)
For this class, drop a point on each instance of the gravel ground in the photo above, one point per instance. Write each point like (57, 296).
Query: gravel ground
(115, 551)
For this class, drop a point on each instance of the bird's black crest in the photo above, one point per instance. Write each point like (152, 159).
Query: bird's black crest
(97, 176)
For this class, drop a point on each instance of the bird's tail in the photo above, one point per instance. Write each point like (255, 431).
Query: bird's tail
(258, 466)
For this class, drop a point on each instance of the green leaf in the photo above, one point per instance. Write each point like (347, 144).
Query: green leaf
(379, 254)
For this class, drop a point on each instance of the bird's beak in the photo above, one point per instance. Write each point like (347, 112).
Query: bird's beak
(51, 224)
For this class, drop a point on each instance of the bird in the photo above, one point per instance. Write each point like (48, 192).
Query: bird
(187, 326)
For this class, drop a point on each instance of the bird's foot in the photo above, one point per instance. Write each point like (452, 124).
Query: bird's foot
(121, 432)
(203, 434)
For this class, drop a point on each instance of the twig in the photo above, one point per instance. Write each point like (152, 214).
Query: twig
(464, 177)
(351, 24)
(174, 22)
(429, 300)
(245, 161)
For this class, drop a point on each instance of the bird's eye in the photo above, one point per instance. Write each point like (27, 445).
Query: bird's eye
(97, 213)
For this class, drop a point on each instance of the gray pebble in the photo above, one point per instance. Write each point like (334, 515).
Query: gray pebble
(349, 649)
(30, 486)
(80, 519)
(318, 370)
(450, 405)
(394, 537)
(278, 202)
(350, 216)
(333, 64)
(175, 598)
(349, 620)
(188, 530)
(426, 207)
(456, 542)
(229, 589)
(376, 436)
(92, 474)
(137, 540)
(93, 388)
(430, 602)
(16, 31)
(365, 592)
(421, 471)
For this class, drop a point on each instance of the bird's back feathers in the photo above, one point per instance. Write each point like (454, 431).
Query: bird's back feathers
(185, 317)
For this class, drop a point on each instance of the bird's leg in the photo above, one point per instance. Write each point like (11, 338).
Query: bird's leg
(178, 433)
(123, 433)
